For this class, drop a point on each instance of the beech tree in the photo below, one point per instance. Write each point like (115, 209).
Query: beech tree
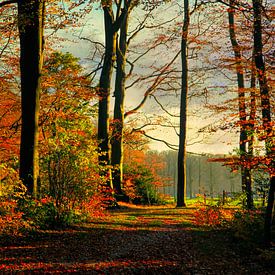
(265, 95)
(30, 24)
(119, 94)
(122, 75)
(181, 194)
(112, 23)
(245, 172)
(30, 20)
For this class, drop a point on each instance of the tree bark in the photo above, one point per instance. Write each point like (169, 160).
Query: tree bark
(266, 114)
(245, 172)
(119, 94)
(181, 193)
(30, 25)
(105, 86)
(252, 114)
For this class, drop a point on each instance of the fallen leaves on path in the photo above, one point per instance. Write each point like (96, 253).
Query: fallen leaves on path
(136, 240)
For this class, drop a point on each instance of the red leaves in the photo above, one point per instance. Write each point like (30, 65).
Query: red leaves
(212, 216)
(136, 240)
(9, 124)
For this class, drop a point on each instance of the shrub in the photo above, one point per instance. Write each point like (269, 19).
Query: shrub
(11, 187)
(44, 214)
(70, 175)
(11, 222)
(248, 224)
(139, 185)
(93, 208)
(11, 190)
(212, 215)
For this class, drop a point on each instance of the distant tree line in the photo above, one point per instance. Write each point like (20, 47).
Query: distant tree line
(203, 176)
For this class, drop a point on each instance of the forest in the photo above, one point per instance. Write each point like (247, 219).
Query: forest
(137, 137)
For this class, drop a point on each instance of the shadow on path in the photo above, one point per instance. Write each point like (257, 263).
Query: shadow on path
(148, 241)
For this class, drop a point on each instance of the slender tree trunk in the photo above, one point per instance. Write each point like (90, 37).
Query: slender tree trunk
(266, 114)
(104, 88)
(211, 189)
(252, 114)
(118, 123)
(30, 25)
(199, 175)
(181, 194)
(190, 179)
(245, 172)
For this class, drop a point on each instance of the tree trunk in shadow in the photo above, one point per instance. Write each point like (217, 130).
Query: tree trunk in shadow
(181, 193)
(30, 25)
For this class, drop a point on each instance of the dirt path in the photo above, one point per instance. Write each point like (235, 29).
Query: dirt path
(130, 241)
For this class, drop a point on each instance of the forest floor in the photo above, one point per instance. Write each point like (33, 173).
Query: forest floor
(134, 240)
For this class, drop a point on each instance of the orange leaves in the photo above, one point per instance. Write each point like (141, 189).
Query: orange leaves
(212, 216)
(129, 188)
(9, 124)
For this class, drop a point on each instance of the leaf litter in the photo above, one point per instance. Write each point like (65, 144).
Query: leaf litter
(131, 240)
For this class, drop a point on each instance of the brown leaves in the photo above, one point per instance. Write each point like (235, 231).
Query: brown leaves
(132, 240)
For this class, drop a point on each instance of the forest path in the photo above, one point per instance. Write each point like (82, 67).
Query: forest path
(136, 240)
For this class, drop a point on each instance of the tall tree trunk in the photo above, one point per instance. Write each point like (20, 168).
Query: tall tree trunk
(245, 172)
(181, 194)
(30, 25)
(199, 175)
(190, 179)
(211, 184)
(105, 86)
(266, 114)
(119, 94)
(252, 114)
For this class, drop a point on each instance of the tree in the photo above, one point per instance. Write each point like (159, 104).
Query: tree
(9, 72)
(30, 24)
(245, 172)
(120, 87)
(181, 194)
(30, 21)
(266, 113)
(68, 156)
(112, 24)
(119, 94)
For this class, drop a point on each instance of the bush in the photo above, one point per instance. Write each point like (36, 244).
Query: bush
(70, 175)
(248, 224)
(11, 190)
(139, 185)
(44, 214)
(11, 187)
(11, 222)
(212, 215)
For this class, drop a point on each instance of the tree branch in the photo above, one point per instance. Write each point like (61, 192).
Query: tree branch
(161, 106)
(153, 87)
(169, 145)
(8, 2)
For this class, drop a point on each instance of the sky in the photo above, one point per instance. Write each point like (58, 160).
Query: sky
(219, 142)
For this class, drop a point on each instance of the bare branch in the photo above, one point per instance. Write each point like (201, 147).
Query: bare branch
(153, 87)
(91, 41)
(169, 145)
(162, 107)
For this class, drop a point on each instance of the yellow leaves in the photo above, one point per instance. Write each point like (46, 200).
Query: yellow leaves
(10, 184)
